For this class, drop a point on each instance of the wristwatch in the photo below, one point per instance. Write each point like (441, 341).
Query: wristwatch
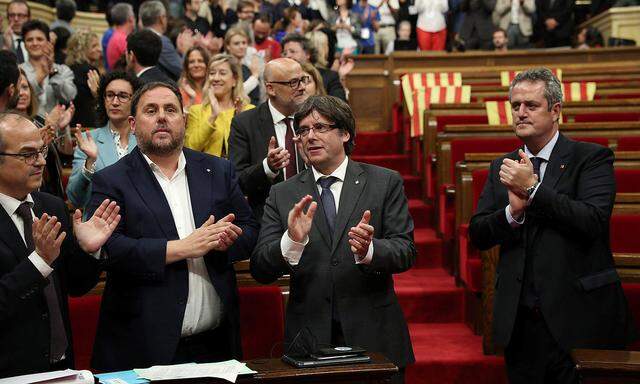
(532, 188)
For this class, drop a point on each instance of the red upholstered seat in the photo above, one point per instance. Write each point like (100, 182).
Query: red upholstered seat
(606, 116)
(629, 143)
(261, 321)
(627, 180)
(469, 261)
(623, 232)
(83, 314)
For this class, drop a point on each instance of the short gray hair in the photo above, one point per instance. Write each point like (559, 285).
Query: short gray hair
(552, 86)
(150, 11)
(120, 13)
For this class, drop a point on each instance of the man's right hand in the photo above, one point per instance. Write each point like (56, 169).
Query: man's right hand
(299, 222)
(46, 237)
(210, 236)
(517, 204)
(277, 157)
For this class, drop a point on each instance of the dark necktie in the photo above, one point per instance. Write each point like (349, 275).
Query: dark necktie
(59, 341)
(328, 201)
(536, 162)
(290, 146)
(19, 53)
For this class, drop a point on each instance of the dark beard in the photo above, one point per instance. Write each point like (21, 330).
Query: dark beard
(147, 147)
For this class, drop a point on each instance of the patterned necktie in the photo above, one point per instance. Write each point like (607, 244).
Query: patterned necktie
(328, 201)
(19, 53)
(290, 146)
(59, 342)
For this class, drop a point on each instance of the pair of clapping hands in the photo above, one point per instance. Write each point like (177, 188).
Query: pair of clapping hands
(518, 176)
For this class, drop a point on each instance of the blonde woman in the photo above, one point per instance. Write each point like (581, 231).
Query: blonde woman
(84, 58)
(315, 86)
(236, 43)
(209, 123)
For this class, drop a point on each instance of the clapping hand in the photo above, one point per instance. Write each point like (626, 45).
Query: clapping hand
(47, 238)
(86, 143)
(93, 233)
(361, 235)
(93, 82)
(299, 222)
(277, 157)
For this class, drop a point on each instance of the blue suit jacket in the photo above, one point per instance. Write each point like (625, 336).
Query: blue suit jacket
(170, 60)
(79, 185)
(144, 299)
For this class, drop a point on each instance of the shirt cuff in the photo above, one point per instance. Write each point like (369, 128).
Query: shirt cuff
(533, 193)
(367, 258)
(270, 174)
(41, 265)
(292, 250)
(511, 220)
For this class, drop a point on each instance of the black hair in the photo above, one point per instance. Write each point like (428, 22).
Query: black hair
(146, 45)
(33, 25)
(105, 80)
(9, 73)
(333, 109)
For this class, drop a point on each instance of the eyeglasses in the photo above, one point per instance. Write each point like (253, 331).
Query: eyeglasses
(294, 83)
(317, 128)
(30, 158)
(122, 96)
(17, 15)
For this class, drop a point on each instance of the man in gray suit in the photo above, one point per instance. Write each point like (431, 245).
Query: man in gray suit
(340, 229)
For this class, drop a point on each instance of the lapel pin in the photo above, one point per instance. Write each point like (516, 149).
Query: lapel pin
(357, 181)
(208, 170)
(561, 166)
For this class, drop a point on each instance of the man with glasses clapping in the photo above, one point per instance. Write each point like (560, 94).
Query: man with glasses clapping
(261, 141)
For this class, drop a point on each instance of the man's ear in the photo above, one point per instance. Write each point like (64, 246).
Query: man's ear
(132, 124)
(556, 110)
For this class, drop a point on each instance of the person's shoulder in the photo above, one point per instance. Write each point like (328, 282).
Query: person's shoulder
(50, 203)
(585, 149)
(377, 172)
(212, 162)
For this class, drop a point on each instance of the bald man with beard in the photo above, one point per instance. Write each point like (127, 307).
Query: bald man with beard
(261, 142)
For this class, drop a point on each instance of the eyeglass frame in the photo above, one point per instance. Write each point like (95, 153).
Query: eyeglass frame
(118, 95)
(297, 82)
(304, 132)
(30, 158)
(17, 15)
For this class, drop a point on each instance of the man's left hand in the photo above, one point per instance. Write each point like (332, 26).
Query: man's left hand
(361, 235)
(93, 233)
(517, 175)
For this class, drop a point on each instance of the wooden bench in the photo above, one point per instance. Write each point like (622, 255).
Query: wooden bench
(606, 366)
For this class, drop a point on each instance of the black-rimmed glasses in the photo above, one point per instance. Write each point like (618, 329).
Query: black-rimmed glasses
(294, 83)
(317, 128)
(122, 96)
(30, 158)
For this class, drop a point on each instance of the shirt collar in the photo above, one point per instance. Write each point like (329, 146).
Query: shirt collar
(143, 70)
(275, 114)
(339, 173)
(182, 162)
(10, 204)
(545, 152)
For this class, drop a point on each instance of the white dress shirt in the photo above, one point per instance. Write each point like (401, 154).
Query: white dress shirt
(515, 9)
(281, 131)
(545, 153)
(431, 15)
(23, 48)
(292, 250)
(10, 205)
(204, 307)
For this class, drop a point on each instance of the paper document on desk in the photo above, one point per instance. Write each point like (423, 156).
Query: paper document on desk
(227, 370)
(68, 376)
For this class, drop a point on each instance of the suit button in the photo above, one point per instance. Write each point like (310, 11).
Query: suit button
(45, 316)
(182, 302)
(334, 262)
(519, 279)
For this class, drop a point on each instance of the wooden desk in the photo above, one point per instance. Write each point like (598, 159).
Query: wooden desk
(274, 371)
(607, 367)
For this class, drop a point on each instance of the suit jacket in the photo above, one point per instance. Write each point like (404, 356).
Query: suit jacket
(566, 232)
(170, 60)
(155, 74)
(562, 12)
(477, 28)
(248, 144)
(79, 184)
(25, 330)
(84, 101)
(144, 299)
(332, 84)
(368, 308)
(526, 11)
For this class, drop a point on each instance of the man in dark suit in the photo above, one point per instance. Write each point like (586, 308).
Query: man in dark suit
(342, 252)
(171, 294)
(41, 260)
(143, 51)
(9, 76)
(548, 207)
(261, 142)
(153, 17)
(18, 13)
(477, 29)
(555, 22)
(299, 48)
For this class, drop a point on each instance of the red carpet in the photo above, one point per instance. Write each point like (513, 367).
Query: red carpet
(446, 349)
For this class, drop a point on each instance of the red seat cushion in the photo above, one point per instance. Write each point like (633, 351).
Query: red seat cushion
(623, 232)
(608, 116)
(627, 180)
(83, 314)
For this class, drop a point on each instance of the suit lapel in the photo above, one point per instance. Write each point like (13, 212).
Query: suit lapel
(308, 187)
(266, 123)
(354, 182)
(11, 237)
(151, 194)
(200, 188)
